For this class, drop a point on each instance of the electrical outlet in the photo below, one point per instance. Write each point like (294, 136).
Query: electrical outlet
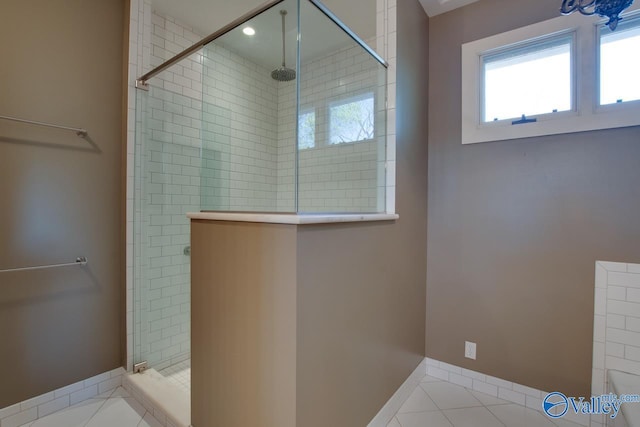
(470, 350)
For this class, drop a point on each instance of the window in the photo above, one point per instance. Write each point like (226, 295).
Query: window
(568, 74)
(307, 130)
(352, 120)
(529, 80)
(620, 63)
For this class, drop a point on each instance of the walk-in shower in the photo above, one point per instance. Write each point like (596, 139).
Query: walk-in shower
(215, 131)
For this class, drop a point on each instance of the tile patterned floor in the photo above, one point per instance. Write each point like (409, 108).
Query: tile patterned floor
(436, 403)
(179, 374)
(433, 403)
(112, 409)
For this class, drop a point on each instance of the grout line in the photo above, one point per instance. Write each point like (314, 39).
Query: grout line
(98, 410)
(143, 415)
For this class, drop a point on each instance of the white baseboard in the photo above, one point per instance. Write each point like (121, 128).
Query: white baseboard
(393, 405)
(56, 400)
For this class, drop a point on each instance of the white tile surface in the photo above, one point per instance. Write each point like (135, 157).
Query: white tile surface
(429, 379)
(179, 374)
(450, 396)
(20, 418)
(74, 416)
(516, 415)
(512, 396)
(486, 399)
(118, 410)
(28, 411)
(564, 423)
(423, 419)
(418, 401)
(53, 406)
(394, 423)
(149, 421)
(462, 407)
(616, 339)
(9, 411)
(624, 279)
(485, 388)
(472, 417)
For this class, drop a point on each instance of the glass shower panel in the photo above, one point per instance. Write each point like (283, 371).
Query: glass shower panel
(248, 115)
(168, 159)
(341, 120)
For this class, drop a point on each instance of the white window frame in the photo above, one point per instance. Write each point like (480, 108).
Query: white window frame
(587, 114)
(626, 104)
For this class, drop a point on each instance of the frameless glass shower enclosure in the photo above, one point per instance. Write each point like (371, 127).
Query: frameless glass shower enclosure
(281, 111)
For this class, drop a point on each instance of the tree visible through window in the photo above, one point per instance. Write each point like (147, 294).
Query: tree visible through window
(352, 120)
(307, 130)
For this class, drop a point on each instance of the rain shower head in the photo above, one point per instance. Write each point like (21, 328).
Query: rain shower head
(283, 74)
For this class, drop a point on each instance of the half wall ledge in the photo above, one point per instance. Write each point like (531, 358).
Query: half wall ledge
(276, 218)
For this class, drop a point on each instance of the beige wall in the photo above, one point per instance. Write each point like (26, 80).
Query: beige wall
(515, 227)
(301, 325)
(360, 320)
(243, 324)
(60, 195)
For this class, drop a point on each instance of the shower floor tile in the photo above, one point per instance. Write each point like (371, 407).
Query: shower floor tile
(179, 374)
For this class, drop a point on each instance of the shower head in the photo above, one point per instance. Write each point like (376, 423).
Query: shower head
(283, 74)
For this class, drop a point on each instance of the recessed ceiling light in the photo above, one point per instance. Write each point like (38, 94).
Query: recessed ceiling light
(249, 31)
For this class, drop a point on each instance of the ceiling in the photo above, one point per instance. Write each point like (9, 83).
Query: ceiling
(207, 16)
(318, 37)
(436, 7)
(318, 34)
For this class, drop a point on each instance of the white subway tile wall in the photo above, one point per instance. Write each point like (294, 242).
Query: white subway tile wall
(286, 180)
(240, 130)
(616, 325)
(168, 186)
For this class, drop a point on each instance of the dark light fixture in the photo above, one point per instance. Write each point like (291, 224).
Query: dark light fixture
(606, 8)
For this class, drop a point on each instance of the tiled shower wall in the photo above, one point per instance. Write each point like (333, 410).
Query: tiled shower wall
(616, 333)
(343, 177)
(239, 133)
(234, 129)
(168, 173)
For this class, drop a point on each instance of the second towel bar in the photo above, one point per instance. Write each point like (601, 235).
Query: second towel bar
(82, 133)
